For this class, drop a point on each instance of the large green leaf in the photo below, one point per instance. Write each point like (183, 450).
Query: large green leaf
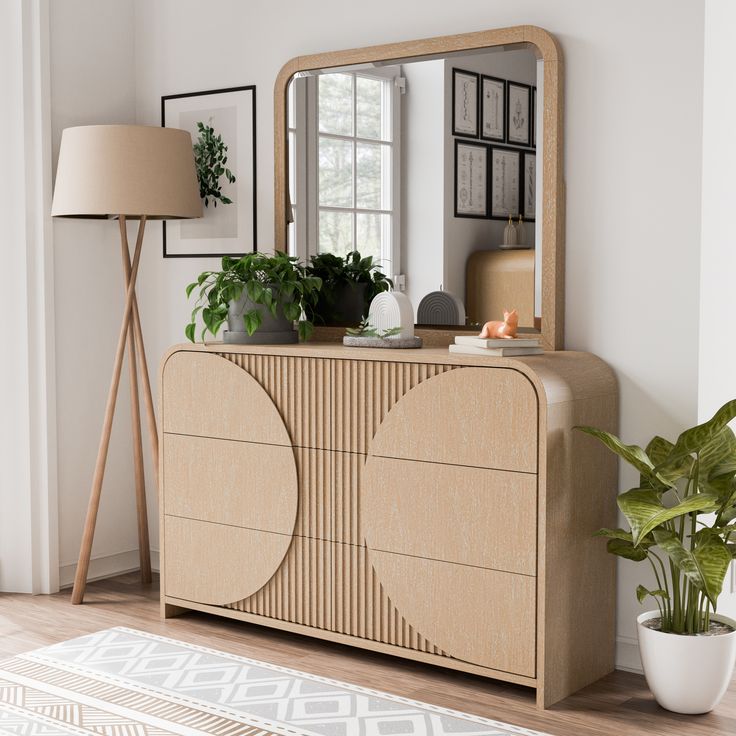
(658, 450)
(645, 511)
(625, 549)
(633, 454)
(697, 438)
(625, 536)
(721, 450)
(705, 566)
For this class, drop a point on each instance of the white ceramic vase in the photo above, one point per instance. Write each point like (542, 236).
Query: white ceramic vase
(687, 674)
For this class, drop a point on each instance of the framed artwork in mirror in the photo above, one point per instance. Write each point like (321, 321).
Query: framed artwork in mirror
(534, 117)
(222, 123)
(493, 109)
(471, 179)
(518, 112)
(505, 172)
(529, 186)
(465, 103)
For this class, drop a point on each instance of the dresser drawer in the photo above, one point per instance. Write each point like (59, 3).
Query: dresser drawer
(207, 395)
(481, 616)
(480, 417)
(470, 516)
(218, 564)
(235, 483)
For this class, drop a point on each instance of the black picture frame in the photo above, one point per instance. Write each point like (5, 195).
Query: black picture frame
(455, 130)
(534, 117)
(524, 123)
(504, 121)
(251, 88)
(523, 186)
(491, 173)
(486, 180)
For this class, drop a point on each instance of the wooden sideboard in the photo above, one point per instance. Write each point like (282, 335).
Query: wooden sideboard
(432, 506)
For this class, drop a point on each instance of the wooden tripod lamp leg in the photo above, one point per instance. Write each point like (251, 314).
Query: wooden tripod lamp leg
(85, 552)
(144, 547)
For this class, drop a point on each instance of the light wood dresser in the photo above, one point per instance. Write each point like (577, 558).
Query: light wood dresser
(431, 506)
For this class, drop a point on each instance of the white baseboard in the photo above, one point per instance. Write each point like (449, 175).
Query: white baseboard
(627, 655)
(107, 566)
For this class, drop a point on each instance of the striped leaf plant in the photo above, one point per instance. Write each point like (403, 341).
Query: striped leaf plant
(680, 517)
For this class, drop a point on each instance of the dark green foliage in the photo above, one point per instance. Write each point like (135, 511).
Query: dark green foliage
(337, 272)
(210, 159)
(278, 282)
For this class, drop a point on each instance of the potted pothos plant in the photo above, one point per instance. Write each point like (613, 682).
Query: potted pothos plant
(260, 296)
(681, 525)
(349, 284)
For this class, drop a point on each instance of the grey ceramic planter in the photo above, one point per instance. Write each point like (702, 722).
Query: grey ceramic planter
(273, 330)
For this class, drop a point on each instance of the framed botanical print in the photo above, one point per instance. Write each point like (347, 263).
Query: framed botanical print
(465, 103)
(518, 113)
(493, 109)
(505, 182)
(222, 124)
(471, 179)
(529, 186)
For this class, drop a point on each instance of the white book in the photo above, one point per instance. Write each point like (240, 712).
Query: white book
(497, 342)
(495, 352)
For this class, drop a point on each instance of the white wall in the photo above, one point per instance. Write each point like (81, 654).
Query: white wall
(92, 81)
(716, 378)
(632, 160)
(422, 178)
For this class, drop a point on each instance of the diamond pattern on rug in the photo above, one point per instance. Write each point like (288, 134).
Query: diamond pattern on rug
(278, 698)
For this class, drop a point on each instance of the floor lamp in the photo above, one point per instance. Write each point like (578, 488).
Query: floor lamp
(125, 172)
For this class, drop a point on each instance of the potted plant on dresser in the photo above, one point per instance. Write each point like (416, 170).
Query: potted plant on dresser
(349, 284)
(260, 297)
(681, 526)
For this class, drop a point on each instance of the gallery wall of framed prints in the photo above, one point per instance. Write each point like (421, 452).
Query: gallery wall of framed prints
(495, 174)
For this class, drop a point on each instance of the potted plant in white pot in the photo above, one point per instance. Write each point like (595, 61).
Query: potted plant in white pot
(681, 525)
(260, 297)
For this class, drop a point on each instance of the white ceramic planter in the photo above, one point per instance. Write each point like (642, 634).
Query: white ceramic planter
(687, 674)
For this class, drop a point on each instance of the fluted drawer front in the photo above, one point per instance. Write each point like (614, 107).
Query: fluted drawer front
(481, 616)
(215, 563)
(228, 482)
(480, 417)
(471, 516)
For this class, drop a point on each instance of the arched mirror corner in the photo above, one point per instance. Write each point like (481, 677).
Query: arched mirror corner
(440, 159)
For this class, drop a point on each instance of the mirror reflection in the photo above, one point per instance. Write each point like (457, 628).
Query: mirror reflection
(431, 166)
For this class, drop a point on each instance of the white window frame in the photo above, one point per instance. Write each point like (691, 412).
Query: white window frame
(304, 127)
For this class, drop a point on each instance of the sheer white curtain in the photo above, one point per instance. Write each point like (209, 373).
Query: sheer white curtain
(28, 518)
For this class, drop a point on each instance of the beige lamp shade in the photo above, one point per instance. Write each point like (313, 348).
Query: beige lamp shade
(131, 170)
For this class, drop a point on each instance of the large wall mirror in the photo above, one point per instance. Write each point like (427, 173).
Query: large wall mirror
(440, 158)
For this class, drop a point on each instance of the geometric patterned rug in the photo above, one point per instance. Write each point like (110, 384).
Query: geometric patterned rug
(123, 682)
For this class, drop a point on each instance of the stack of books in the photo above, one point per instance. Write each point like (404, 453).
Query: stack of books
(497, 347)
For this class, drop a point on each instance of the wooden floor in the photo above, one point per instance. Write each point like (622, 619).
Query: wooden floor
(620, 704)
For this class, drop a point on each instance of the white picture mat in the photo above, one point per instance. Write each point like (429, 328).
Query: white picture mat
(504, 183)
(227, 228)
(471, 191)
(518, 114)
(466, 103)
(493, 108)
(530, 186)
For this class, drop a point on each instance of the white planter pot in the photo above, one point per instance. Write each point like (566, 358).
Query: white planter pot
(687, 674)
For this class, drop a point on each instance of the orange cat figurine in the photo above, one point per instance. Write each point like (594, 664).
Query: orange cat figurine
(506, 329)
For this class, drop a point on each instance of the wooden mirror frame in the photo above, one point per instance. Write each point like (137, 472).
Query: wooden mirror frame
(546, 48)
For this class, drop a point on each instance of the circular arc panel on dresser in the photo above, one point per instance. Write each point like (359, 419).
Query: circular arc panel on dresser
(227, 543)
(449, 502)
